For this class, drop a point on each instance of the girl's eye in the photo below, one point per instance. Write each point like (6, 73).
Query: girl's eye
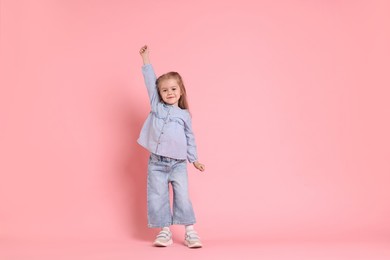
(164, 90)
(173, 89)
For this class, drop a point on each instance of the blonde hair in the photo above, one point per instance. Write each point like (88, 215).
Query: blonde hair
(183, 104)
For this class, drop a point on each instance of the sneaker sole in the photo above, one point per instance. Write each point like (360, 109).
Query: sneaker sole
(194, 245)
(162, 244)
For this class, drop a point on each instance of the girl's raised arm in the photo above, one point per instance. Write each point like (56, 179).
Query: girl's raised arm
(149, 76)
(144, 51)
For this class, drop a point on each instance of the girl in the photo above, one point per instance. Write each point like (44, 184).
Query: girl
(168, 135)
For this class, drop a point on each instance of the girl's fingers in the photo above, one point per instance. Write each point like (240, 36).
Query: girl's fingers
(143, 49)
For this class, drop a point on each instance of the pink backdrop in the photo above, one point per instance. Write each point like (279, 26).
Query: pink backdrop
(290, 104)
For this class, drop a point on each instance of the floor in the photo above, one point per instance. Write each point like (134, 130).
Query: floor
(226, 250)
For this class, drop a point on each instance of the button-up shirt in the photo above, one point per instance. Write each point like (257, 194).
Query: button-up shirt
(167, 130)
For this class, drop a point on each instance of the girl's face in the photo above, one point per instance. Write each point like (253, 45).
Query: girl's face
(170, 91)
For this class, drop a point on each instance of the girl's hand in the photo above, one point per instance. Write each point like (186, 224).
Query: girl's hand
(199, 166)
(144, 52)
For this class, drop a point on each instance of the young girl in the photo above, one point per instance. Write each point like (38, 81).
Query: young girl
(168, 135)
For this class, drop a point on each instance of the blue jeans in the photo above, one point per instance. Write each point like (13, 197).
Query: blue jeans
(162, 171)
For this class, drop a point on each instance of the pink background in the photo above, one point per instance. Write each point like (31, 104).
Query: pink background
(290, 104)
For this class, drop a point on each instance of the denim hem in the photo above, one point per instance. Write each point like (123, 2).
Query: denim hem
(184, 223)
(159, 226)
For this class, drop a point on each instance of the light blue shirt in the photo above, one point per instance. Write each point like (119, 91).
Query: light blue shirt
(167, 130)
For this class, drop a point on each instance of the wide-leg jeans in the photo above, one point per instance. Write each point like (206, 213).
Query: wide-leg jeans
(163, 171)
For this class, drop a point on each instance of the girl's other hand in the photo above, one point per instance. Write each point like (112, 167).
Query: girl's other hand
(199, 166)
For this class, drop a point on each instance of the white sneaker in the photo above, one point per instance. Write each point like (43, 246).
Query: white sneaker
(192, 239)
(163, 239)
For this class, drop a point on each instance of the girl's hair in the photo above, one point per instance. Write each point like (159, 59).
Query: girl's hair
(183, 104)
